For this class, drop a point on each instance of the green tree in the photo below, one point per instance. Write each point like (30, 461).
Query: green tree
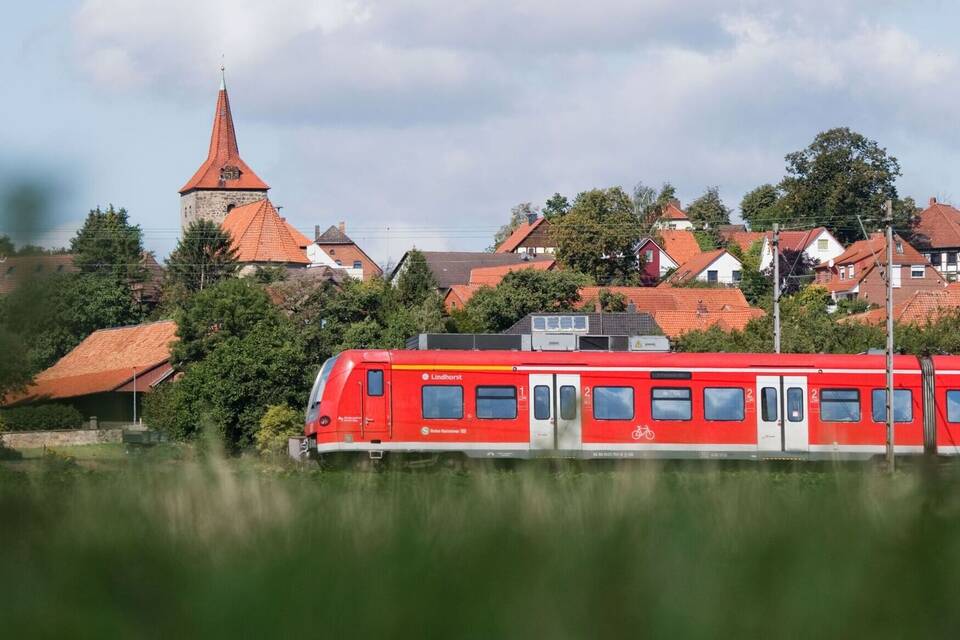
(760, 208)
(840, 176)
(556, 206)
(231, 308)
(708, 211)
(649, 203)
(493, 309)
(203, 256)
(519, 215)
(599, 235)
(416, 282)
(7, 248)
(612, 301)
(15, 366)
(108, 243)
(54, 313)
(278, 424)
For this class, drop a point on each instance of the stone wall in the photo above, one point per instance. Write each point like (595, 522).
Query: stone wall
(212, 204)
(37, 439)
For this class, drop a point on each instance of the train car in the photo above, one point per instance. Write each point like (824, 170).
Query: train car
(525, 404)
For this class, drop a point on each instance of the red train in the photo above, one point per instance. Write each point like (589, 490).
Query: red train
(524, 404)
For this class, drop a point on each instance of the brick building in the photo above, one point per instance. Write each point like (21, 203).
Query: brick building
(344, 252)
(533, 236)
(856, 274)
(937, 236)
(224, 180)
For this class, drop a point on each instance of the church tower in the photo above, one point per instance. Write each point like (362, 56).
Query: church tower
(224, 180)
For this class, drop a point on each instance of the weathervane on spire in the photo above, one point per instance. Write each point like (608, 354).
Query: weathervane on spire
(223, 74)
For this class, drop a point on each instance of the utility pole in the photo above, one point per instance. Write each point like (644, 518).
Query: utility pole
(888, 220)
(776, 287)
(134, 395)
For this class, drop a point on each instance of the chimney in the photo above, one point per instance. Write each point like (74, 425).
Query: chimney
(531, 217)
(933, 200)
(316, 233)
(342, 226)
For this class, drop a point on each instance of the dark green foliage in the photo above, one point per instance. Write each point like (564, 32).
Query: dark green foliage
(611, 301)
(840, 176)
(7, 248)
(416, 282)
(203, 256)
(556, 205)
(53, 313)
(599, 235)
(760, 208)
(649, 204)
(40, 417)
(707, 240)
(270, 275)
(15, 364)
(850, 306)
(108, 243)
(231, 388)
(230, 308)
(493, 309)
(708, 211)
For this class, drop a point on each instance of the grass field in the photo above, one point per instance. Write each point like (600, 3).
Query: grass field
(170, 544)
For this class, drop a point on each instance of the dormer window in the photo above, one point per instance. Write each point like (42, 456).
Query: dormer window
(850, 268)
(843, 273)
(229, 172)
(899, 247)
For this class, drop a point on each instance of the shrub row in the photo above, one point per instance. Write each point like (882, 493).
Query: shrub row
(40, 417)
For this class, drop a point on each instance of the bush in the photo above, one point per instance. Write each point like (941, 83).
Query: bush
(279, 423)
(40, 417)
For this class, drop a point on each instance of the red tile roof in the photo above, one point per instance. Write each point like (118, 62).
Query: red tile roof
(259, 235)
(16, 269)
(519, 235)
(922, 307)
(223, 153)
(459, 295)
(673, 212)
(693, 267)
(680, 245)
(876, 247)
(677, 323)
(797, 241)
(653, 299)
(493, 275)
(938, 226)
(106, 361)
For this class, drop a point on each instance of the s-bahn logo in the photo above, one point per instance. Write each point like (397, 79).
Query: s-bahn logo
(643, 432)
(424, 431)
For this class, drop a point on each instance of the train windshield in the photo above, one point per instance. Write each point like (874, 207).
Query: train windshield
(317, 392)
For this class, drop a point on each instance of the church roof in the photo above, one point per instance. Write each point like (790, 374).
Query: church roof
(223, 168)
(334, 235)
(260, 235)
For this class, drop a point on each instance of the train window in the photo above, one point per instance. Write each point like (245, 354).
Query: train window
(497, 403)
(795, 404)
(375, 382)
(840, 405)
(723, 403)
(953, 406)
(541, 402)
(568, 403)
(442, 402)
(769, 407)
(671, 403)
(613, 403)
(902, 405)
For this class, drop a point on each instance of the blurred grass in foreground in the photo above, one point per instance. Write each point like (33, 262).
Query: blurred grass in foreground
(164, 547)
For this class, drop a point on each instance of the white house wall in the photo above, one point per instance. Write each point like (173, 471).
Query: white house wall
(813, 251)
(725, 265)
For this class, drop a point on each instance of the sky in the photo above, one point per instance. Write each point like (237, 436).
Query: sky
(421, 123)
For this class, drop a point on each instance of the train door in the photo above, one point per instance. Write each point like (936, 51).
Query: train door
(782, 420)
(376, 402)
(555, 412)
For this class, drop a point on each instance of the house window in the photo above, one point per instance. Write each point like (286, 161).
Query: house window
(339, 263)
(822, 245)
(736, 275)
(917, 271)
(713, 276)
(648, 256)
(952, 258)
(850, 271)
(899, 247)
(843, 273)
(357, 264)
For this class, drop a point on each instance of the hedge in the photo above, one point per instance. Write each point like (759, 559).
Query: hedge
(40, 418)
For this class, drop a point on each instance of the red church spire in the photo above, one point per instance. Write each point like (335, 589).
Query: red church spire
(223, 168)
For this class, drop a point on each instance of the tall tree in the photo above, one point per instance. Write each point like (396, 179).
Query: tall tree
(204, 256)
(708, 211)
(599, 235)
(519, 215)
(840, 176)
(416, 282)
(760, 208)
(556, 206)
(108, 243)
(493, 309)
(648, 203)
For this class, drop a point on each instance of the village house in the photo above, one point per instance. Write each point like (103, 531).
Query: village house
(654, 262)
(937, 236)
(344, 253)
(459, 294)
(924, 306)
(451, 268)
(718, 267)
(856, 273)
(818, 245)
(532, 236)
(15, 270)
(107, 373)
(673, 217)
(679, 245)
